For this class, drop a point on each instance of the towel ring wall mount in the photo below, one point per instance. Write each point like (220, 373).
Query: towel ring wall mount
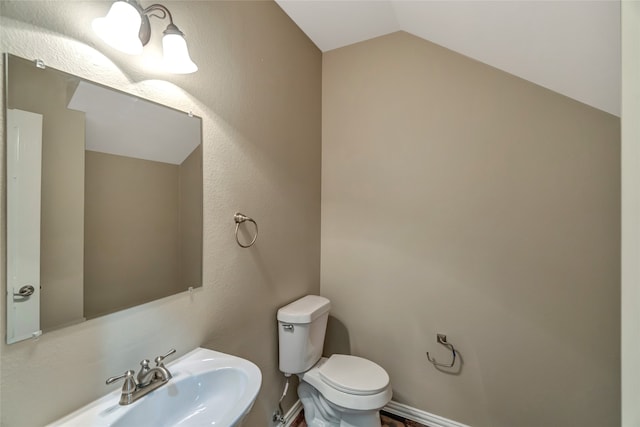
(442, 339)
(239, 219)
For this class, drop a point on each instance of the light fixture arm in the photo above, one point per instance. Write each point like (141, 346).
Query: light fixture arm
(161, 8)
(146, 13)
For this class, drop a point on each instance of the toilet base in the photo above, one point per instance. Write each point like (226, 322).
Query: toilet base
(319, 412)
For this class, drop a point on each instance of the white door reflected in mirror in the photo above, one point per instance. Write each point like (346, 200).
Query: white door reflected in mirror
(24, 158)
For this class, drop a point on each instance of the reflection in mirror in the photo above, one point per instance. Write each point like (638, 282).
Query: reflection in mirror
(104, 200)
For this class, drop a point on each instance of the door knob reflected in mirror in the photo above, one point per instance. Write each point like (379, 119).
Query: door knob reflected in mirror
(25, 291)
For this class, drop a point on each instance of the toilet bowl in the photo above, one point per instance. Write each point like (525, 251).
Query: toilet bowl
(339, 391)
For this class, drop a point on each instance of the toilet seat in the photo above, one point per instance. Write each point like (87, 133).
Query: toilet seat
(334, 382)
(354, 375)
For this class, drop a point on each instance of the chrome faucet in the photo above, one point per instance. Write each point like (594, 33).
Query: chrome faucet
(147, 380)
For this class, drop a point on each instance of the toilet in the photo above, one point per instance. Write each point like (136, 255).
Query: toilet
(339, 391)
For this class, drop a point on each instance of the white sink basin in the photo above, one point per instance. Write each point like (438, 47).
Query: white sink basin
(208, 388)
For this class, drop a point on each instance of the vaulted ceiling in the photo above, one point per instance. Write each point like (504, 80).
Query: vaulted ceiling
(569, 46)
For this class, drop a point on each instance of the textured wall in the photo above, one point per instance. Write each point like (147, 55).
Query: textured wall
(459, 199)
(258, 91)
(630, 213)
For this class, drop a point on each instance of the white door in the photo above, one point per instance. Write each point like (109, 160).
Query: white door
(24, 162)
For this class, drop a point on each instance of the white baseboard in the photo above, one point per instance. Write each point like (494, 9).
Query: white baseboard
(420, 416)
(292, 413)
(394, 408)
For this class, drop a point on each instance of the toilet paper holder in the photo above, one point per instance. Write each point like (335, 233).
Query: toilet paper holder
(442, 339)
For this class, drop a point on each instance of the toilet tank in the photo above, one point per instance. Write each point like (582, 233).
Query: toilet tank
(301, 329)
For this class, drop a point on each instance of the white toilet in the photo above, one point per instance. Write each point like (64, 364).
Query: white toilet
(339, 391)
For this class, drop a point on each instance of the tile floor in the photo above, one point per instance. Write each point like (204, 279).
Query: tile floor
(386, 419)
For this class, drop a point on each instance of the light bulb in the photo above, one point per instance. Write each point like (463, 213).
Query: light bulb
(120, 28)
(176, 57)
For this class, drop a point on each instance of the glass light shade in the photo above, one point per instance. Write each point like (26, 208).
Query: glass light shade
(176, 57)
(120, 28)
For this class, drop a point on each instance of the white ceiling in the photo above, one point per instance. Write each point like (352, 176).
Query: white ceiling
(124, 125)
(569, 46)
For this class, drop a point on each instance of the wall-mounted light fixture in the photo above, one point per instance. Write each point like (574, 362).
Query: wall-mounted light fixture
(126, 28)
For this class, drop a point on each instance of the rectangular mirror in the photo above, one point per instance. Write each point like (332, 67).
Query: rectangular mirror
(104, 200)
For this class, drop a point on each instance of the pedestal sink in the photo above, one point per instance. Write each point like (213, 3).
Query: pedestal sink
(208, 388)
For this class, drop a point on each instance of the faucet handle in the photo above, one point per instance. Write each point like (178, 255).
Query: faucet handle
(160, 365)
(159, 359)
(129, 383)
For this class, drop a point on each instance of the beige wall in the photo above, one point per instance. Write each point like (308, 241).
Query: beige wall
(132, 232)
(258, 91)
(459, 199)
(190, 177)
(630, 213)
(61, 256)
(143, 230)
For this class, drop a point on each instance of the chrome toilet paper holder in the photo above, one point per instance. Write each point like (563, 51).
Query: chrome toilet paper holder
(442, 339)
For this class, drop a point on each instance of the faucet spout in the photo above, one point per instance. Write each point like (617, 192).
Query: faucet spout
(153, 379)
(159, 373)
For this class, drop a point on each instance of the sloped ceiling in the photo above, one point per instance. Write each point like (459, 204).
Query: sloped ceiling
(569, 46)
(124, 125)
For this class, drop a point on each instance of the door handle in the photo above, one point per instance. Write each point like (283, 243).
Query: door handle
(25, 291)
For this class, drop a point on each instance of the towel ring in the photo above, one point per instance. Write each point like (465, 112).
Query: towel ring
(442, 339)
(239, 219)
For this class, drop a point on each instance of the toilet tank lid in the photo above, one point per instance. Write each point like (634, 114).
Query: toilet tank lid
(305, 310)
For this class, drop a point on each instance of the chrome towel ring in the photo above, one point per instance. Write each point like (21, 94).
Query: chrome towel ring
(239, 219)
(442, 339)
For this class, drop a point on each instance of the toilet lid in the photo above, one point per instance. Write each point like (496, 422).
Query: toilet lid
(354, 375)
